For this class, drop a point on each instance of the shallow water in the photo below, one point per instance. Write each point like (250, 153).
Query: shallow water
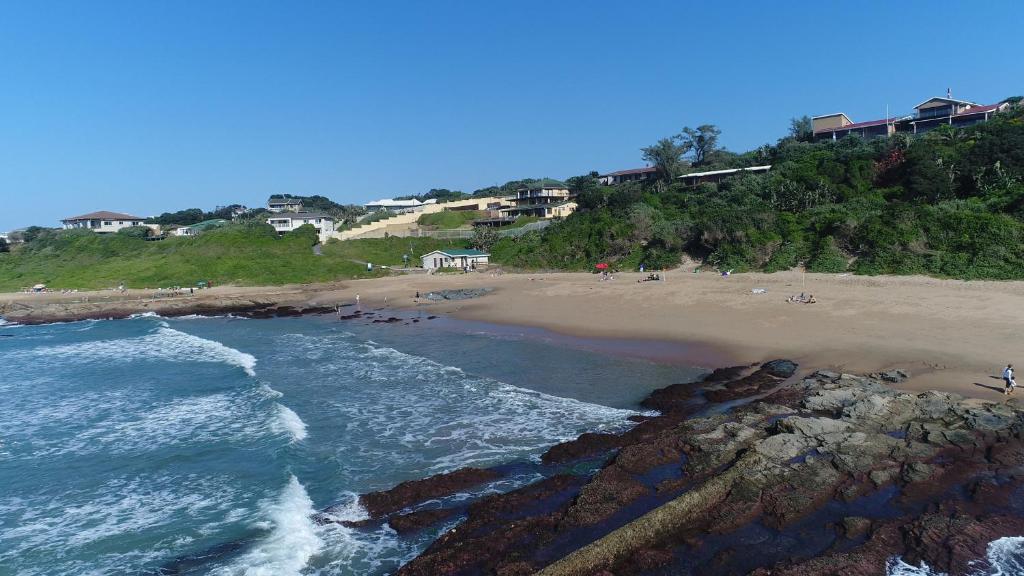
(203, 445)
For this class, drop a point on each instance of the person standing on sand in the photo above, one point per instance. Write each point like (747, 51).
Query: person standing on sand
(1008, 379)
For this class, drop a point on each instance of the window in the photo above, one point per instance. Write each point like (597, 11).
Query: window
(107, 223)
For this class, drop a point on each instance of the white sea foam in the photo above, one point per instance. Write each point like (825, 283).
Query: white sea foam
(1003, 557)
(292, 540)
(1006, 556)
(431, 417)
(164, 344)
(288, 421)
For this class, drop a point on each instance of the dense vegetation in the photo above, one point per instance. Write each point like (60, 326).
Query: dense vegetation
(948, 203)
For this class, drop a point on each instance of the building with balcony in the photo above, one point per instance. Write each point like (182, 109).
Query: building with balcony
(928, 115)
(936, 112)
(552, 200)
(631, 175)
(287, 221)
(284, 204)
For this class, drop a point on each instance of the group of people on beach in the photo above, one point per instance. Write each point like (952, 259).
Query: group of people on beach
(802, 299)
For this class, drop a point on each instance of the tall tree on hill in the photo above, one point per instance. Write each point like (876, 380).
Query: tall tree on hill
(802, 128)
(702, 141)
(667, 157)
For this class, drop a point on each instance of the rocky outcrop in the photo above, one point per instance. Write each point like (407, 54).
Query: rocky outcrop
(863, 471)
(412, 492)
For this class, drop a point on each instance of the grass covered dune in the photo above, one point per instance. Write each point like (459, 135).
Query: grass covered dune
(242, 254)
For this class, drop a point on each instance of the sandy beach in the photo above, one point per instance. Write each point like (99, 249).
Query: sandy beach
(950, 335)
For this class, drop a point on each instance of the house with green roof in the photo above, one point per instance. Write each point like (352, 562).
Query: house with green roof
(455, 258)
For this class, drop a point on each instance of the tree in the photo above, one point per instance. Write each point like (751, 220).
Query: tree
(701, 142)
(484, 238)
(3, 245)
(801, 129)
(667, 157)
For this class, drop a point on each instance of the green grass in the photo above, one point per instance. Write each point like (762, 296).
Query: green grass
(235, 254)
(523, 221)
(388, 251)
(450, 219)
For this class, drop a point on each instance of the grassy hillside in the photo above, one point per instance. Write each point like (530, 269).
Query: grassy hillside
(249, 254)
(450, 219)
(949, 203)
(388, 251)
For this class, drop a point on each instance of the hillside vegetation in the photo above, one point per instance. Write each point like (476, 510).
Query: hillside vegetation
(949, 203)
(241, 254)
(450, 219)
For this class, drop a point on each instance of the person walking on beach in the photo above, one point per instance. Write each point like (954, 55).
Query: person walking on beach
(1008, 379)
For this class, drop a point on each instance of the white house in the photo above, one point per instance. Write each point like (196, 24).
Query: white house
(285, 222)
(102, 221)
(455, 258)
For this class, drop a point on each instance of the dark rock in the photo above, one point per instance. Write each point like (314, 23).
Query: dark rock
(415, 491)
(586, 445)
(606, 494)
(419, 520)
(458, 294)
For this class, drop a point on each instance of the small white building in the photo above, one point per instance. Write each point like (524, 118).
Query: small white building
(287, 221)
(103, 221)
(455, 258)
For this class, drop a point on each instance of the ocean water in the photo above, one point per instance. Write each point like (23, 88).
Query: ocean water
(205, 445)
(1004, 557)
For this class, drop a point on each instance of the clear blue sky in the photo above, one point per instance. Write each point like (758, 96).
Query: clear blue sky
(145, 107)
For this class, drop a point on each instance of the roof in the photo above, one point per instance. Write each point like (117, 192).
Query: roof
(831, 115)
(857, 125)
(545, 183)
(730, 171)
(283, 200)
(981, 109)
(457, 252)
(104, 215)
(953, 100)
(972, 110)
(391, 202)
(208, 223)
(299, 216)
(644, 170)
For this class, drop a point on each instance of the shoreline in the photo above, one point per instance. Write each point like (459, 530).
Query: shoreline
(951, 335)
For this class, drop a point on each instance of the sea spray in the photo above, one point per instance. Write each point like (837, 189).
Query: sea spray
(291, 542)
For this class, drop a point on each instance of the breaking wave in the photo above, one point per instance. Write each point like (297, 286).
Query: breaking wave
(288, 421)
(165, 344)
(291, 542)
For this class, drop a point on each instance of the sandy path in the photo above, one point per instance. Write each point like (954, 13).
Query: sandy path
(949, 334)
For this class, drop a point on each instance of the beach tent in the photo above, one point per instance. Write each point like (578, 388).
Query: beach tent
(601, 266)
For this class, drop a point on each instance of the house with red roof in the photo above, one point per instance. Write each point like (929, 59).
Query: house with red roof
(103, 221)
(928, 115)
